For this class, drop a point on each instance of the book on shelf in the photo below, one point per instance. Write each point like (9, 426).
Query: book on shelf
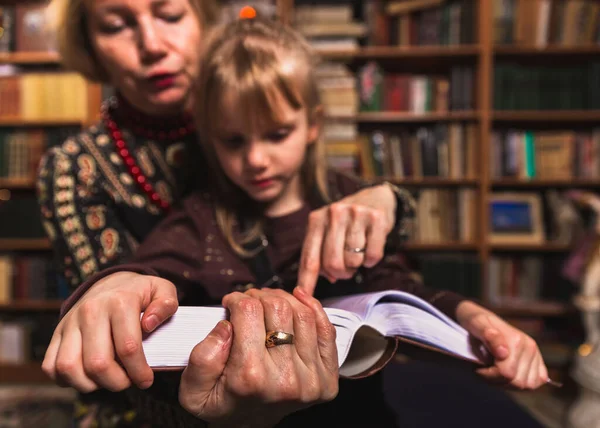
(370, 328)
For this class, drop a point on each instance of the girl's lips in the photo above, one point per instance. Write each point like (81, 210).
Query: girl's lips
(162, 81)
(262, 183)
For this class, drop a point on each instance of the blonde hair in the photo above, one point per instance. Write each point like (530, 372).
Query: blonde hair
(259, 62)
(69, 22)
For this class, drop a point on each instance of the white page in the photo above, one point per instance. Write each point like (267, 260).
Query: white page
(171, 344)
(399, 319)
(363, 303)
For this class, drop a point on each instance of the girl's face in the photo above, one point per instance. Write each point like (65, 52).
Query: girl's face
(265, 160)
(149, 48)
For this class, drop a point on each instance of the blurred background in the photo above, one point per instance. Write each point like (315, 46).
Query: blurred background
(487, 110)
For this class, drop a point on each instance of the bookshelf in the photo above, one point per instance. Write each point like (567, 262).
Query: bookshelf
(26, 62)
(481, 54)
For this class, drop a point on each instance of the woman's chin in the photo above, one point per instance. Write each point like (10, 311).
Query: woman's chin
(168, 101)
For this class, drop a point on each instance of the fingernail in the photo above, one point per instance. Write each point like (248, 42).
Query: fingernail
(151, 322)
(223, 331)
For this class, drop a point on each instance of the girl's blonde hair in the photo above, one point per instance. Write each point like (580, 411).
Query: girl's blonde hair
(68, 20)
(258, 62)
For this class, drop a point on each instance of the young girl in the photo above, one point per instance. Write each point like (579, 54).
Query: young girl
(259, 117)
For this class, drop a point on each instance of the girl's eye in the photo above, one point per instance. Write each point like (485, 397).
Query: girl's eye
(172, 18)
(279, 135)
(233, 142)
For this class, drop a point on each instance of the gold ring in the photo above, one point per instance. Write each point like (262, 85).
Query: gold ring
(356, 250)
(276, 338)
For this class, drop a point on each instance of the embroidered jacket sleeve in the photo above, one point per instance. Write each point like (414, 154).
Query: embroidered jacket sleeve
(78, 215)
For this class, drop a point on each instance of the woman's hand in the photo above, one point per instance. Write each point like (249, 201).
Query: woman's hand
(233, 379)
(345, 235)
(517, 358)
(103, 327)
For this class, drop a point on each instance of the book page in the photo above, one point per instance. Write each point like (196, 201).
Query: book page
(362, 304)
(404, 320)
(171, 344)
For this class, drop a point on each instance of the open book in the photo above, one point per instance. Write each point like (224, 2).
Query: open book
(369, 328)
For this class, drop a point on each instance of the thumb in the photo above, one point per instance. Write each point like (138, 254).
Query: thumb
(207, 362)
(492, 336)
(163, 303)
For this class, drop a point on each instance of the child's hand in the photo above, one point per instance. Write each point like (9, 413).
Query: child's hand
(104, 326)
(517, 358)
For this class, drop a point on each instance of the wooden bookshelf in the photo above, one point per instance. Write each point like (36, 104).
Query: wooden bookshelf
(444, 246)
(403, 52)
(431, 182)
(549, 50)
(17, 183)
(24, 244)
(547, 247)
(21, 122)
(29, 373)
(404, 117)
(537, 309)
(539, 183)
(29, 58)
(32, 306)
(547, 116)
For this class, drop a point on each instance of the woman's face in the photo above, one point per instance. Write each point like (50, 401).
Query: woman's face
(149, 48)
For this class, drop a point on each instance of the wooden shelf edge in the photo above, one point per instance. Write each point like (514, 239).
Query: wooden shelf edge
(19, 121)
(31, 305)
(572, 182)
(546, 115)
(544, 247)
(29, 57)
(17, 183)
(24, 244)
(27, 373)
(406, 117)
(442, 246)
(429, 52)
(517, 50)
(539, 308)
(429, 181)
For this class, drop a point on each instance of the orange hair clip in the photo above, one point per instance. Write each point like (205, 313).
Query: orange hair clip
(247, 12)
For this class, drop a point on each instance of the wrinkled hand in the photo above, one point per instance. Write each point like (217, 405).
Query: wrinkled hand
(233, 379)
(517, 358)
(362, 220)
(105, 325)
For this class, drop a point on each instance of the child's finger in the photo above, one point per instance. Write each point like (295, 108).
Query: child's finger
(496, 343)
(163, 304)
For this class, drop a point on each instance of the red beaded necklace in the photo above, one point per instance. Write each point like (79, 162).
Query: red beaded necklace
(147, 131)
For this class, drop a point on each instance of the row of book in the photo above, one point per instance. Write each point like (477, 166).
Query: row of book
(30, 277)
(22, 148)
(553, 154)
(441, 150)
(543, 22)
(535, 87)
(25, 28)
(350, 25)
(43, 96)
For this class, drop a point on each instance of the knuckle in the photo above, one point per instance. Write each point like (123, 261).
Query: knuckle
(280, 307)
(249, 306)
(290, 389)
(330, 391)
(170, 304)
(315, 218)
(65, 367)
(376, 217)
(510, 371)
(305, 317)
(96, 364)
(48, 369)
(128, 347)
(519, 384)
(249, 383)
(374, 255)
(338, 209)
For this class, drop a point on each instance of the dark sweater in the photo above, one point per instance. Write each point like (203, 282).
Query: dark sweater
(188, 249)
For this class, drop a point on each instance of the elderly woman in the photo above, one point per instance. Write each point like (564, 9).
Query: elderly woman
(101, 192)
